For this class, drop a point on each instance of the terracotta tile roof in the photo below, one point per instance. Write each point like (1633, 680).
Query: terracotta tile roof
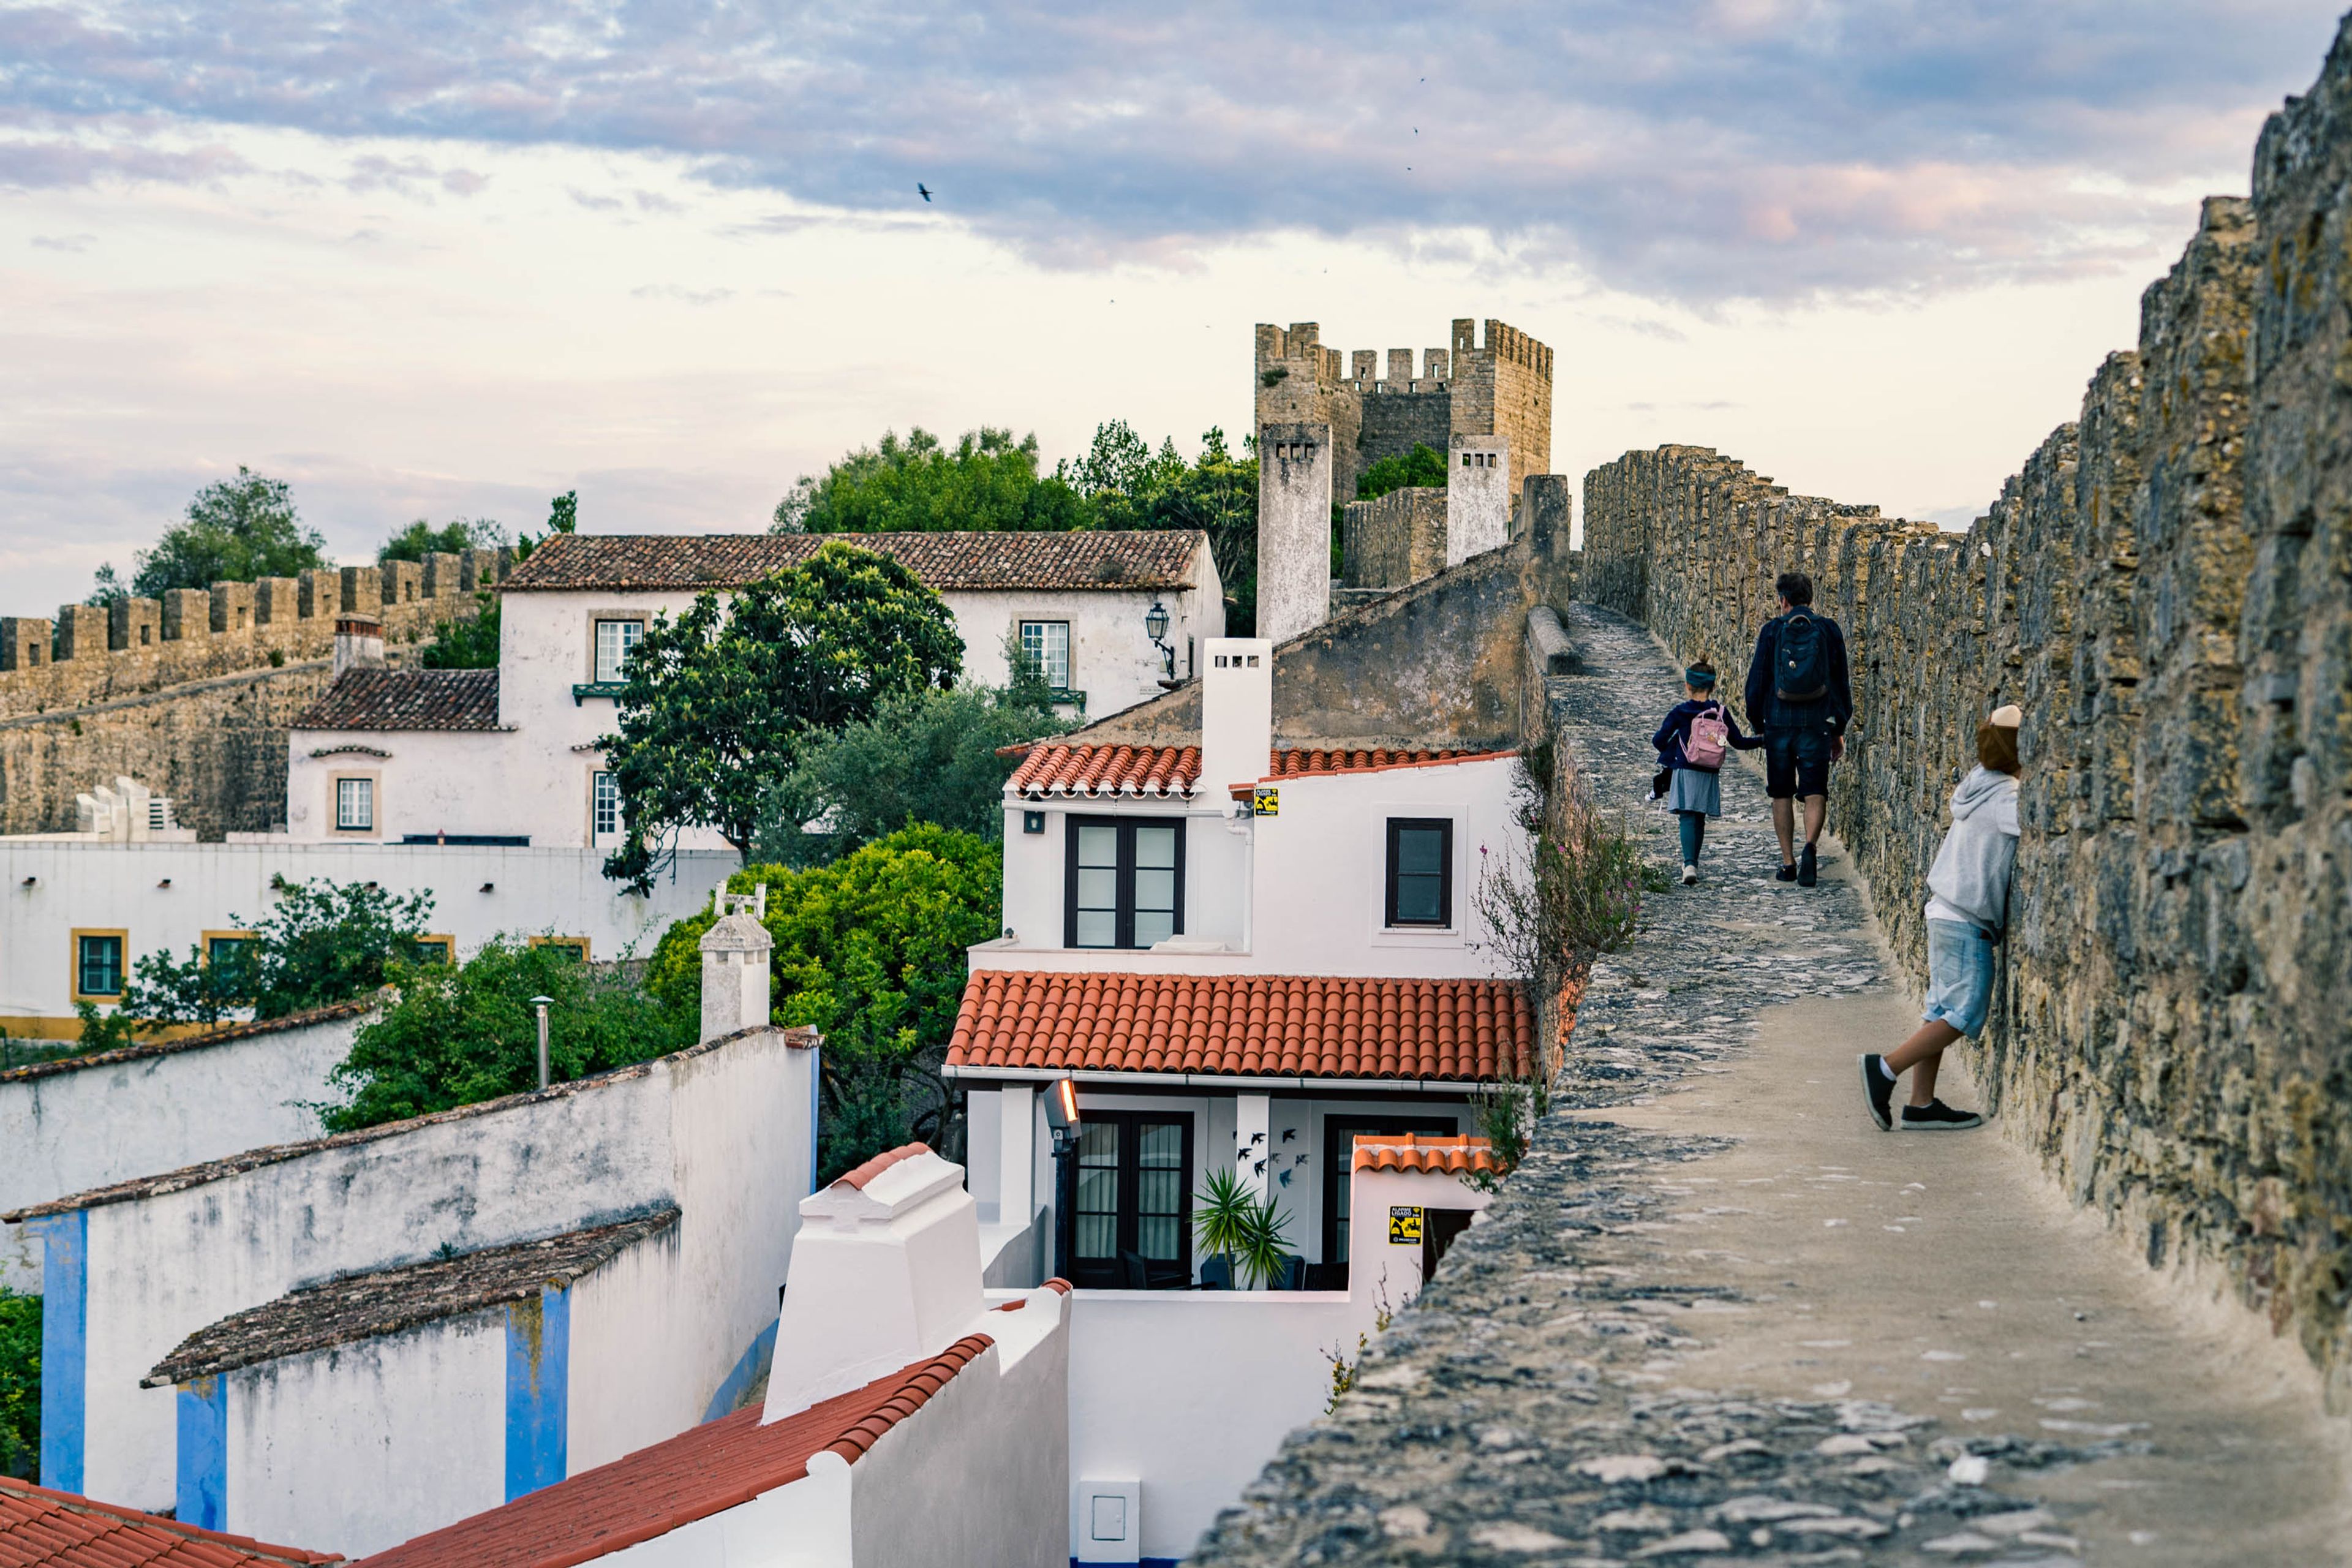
(146, 1049)
(1244, 1025)
(800, 1037)
(386, 1300)
(405, 700)
(702, 1471)
(1417, 1151)
(1107, 770)
(1119, 559)
(59, 1529)
(1050, 770)
(879, 1163)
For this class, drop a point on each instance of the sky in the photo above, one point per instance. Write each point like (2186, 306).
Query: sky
(446, 260)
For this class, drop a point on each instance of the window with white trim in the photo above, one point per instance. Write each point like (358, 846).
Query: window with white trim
(1047, 646)
(355, 805)
(614, 641)
(603, 803)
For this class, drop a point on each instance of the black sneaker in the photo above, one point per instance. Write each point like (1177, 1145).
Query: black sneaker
(1936, 1117)
(1785, 874)
(1878, 1089)
(1809, 866)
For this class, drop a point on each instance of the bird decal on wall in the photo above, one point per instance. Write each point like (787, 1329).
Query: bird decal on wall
(1290, 1134)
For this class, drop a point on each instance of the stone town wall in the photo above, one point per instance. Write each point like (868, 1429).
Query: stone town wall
(192, 695)
(1393, 540)
(2166, 588)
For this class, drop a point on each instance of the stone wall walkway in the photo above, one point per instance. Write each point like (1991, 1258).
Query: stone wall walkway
(1717, 1316)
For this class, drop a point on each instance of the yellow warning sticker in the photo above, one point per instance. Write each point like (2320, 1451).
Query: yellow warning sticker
(1405, 1225)
(1265, 800)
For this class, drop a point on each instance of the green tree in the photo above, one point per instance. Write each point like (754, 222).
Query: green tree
(467, 642)
(987, 480)
(924, 756)
(870, 949)
(235, 531)
(20, 1386)
(717, 704)
(1131, 486)
(1421, 465)
(325, 943)
(458, 1035)
(421, 539)
(563, 516)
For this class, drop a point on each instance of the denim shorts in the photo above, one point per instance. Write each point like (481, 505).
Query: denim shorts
(1960, 976)
(1796, 763)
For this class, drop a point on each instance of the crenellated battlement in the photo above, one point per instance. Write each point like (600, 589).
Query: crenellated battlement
(91, 653)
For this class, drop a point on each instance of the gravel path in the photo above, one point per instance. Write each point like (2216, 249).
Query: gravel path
(1716, 1316)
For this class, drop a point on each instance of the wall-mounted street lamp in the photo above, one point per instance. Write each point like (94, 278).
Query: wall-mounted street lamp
(1061, 1119)
(1155, 627)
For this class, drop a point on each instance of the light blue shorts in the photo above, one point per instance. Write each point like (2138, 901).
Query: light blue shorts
(1960, 976)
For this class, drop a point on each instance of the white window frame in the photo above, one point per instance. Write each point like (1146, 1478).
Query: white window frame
(362, 785)
(600, 783)
(1042, 654)
(630, 633)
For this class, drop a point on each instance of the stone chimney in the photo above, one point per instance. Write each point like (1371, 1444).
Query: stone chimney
(359, 642)
(1293, 529)
(1478, 497)
(1236, 712)
(735, 964)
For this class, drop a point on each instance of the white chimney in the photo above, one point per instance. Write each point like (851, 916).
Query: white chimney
(1293, 529)
(1478, 497)
(1236, 712)
(885, 1271)
(359, 643)
(735, 964)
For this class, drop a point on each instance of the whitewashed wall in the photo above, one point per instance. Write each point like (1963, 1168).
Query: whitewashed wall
(361, 1447)
(120, 887)
(725, 1132)
(67, 1128)
(1298, 893)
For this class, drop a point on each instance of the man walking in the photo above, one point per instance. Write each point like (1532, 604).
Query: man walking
(1799, 696)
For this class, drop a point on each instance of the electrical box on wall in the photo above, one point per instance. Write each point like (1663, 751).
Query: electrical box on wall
(1106, 1521)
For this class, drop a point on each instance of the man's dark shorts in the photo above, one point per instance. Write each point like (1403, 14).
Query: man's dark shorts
(1796, 763)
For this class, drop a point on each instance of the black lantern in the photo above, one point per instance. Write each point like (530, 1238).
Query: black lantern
(1155, 622)
(1062, 1120)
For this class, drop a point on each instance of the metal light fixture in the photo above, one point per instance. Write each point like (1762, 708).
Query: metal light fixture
(1155, 627)
(542, 1003)
(1061, 1119)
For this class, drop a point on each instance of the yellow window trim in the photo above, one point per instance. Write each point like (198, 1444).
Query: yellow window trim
(73, 953)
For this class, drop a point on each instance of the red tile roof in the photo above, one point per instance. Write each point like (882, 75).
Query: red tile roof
(702, 1471)
(1417, 1151)
(1244, 1025)
(1115, 559)
(1050, 770)
(879, 1163)
(367, 699)
(59, 1529)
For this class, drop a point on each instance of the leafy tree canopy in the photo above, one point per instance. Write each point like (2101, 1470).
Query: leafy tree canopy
(924, 756)
(456, 1035)
(1131, 486)
(987, 481)
(421, 539)
(870, 949)
(20, 1386)
(324, 943)
(718, 705)
(235, 531)
(1422, 466)
(467, 642)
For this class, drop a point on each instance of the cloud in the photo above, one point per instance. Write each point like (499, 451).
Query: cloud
(682, 295)
(72, 244)
(374, 172)
(1694, 150)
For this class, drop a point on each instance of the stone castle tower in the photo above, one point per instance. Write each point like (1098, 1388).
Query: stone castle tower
(1503, 389)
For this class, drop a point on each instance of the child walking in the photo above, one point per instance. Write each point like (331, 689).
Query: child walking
(1691, 747)
(1968, 900)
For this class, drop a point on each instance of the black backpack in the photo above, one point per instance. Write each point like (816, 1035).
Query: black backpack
(1801, 660)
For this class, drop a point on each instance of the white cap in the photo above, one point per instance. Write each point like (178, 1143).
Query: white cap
(2007, 716)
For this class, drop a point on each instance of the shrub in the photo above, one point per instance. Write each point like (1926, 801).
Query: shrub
(20, 1384)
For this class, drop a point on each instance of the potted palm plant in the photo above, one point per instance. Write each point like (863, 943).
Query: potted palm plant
(1237, 1224)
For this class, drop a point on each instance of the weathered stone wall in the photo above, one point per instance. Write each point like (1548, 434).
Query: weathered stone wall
(1393, 540)
(192, 694)
(2166, 588)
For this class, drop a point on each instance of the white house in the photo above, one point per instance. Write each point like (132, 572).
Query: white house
(1238, 954)
(511, 756)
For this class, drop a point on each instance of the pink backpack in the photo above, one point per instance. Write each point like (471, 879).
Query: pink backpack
(1710, 739)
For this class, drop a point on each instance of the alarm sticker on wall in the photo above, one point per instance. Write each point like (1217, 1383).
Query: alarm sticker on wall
(1405, 1225)
(1265, 800)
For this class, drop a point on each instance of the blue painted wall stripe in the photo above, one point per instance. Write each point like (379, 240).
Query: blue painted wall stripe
(64, 1345)
(203, 1488)
(539, 1391)
(746, 1370)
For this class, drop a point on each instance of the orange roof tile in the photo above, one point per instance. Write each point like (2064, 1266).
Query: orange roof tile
(1308, 761)
(1416, 1151)
(59, 1529)
(1244, 1025)
(701, 1471)
(879, 1163)
(1051, 770)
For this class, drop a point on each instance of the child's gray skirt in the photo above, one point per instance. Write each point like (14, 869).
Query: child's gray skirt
(1693, 790)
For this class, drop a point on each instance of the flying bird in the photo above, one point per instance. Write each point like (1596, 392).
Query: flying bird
(923, 190)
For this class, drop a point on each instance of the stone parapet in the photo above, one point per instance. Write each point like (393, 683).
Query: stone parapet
(2164, 588)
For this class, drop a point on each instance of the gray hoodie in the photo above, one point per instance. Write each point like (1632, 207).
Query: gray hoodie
(1972, 869)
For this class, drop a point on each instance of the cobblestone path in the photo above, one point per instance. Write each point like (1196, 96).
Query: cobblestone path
(1716, 1316)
